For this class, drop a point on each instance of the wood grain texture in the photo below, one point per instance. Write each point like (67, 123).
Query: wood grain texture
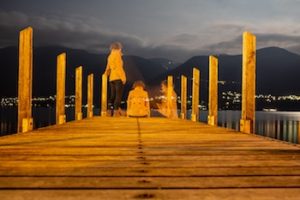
(146, 158)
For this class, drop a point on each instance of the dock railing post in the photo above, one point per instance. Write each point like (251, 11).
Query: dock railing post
(60, 89)
(104, 96)
(298, 132)
(212, 118)
(90, 95)
(169, 94)
(25, 121)
(195, 95)
(247, 122)
(78, 93)
(183, 96)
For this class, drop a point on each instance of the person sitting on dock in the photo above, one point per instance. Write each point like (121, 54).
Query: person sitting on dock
(168, 107)
(138, 101)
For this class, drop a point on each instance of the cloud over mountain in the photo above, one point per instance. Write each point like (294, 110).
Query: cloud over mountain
(94, 34)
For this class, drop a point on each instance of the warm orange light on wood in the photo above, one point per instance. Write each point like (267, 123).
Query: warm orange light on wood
(78, 93)
(169, 95)
(90, 95)
(249, 83)
(60, 89)
(213, 91)
(298, 133)
(25, 122)
(183, 96)
(104, 96)
(195, 95)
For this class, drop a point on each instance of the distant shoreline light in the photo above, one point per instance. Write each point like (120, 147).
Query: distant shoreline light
(227, 97)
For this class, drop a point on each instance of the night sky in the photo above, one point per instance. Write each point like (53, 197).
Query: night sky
(175, 29)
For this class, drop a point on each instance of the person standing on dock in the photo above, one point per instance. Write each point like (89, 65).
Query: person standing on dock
(117, 77)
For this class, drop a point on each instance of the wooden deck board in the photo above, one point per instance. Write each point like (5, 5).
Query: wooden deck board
(207, 194)
(127, 158)
(150, 182)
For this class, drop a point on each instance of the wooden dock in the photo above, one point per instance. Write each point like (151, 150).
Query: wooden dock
(154, 158)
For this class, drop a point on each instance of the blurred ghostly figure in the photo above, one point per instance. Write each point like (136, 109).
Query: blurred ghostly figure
(138, 101)
(168, 107)
(117, 77)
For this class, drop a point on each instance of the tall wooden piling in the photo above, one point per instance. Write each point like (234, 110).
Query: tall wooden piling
(25, 121)
(183, 96)
(104, 96)
(169, 94)
(195, 96)
(248, 83)
(213, 92)
(298, 133)
(90, 95)
(78, 93)
(60, 89)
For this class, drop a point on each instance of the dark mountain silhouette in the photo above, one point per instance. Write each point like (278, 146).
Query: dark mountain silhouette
(165, 63)
(277, 71)
(147, 67)
(8, 71)
(44, 70)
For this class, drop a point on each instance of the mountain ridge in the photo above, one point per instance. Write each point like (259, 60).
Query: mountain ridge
(277, 71)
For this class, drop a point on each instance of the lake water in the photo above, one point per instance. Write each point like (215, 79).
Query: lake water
(277, 125)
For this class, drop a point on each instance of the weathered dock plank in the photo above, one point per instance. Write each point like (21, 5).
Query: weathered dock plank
(147, 158)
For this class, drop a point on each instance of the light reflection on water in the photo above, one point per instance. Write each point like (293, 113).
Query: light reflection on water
(42, 117)
(277, 125)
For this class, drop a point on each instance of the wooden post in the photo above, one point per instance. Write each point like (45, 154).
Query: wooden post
(183, 96)
(248, 83)
(104, 96)
(213, 91)
(169, 94)
(60, 89)
(298, 133)
(25, 121)
(78, 93)
(195, 96)
(90, 95)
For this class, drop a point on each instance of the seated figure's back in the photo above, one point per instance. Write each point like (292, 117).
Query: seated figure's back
(138, 103)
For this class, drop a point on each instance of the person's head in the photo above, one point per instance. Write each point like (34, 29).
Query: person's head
(138, 84)
(164, 86)
(116, 46)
